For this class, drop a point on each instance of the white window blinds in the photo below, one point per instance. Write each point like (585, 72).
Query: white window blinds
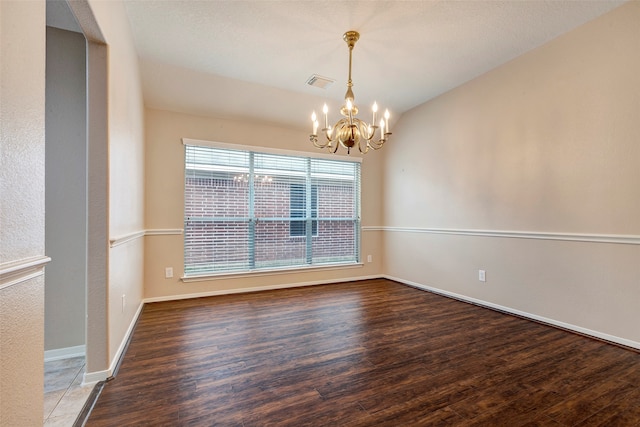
(248, 210)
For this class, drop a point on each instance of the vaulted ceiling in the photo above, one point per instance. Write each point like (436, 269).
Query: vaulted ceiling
(253, 58)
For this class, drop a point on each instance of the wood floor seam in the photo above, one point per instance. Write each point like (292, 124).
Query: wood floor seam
(366, 353)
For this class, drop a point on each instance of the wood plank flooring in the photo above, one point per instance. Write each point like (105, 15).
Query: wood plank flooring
(369, 353)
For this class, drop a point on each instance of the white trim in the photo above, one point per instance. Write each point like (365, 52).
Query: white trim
(125, 339)
(372, 228)
(569, 237)
(268, 150)
(92, 377)
(121, 240)
(258, 273)
(553, 322)
(257, 289)
(64, 353)
(12, 273)
(163, 232)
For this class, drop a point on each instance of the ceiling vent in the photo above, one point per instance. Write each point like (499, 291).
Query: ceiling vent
(319, 81)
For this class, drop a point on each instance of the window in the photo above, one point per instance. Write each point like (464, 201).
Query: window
(248, 210)
(298, 209)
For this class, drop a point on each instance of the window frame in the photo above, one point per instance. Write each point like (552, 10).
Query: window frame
(355, 242)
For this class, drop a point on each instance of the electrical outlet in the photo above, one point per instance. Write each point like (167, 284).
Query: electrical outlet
(482, 276)
(369, 258)
(168, 273)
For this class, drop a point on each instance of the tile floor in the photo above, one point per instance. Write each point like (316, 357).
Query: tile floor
(64, 393)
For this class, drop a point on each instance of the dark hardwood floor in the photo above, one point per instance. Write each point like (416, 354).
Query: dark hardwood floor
(370, 353)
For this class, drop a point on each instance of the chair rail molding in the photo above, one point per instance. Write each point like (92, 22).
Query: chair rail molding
(163, 232)
(121, 240)
(623, 239)
(15, 272)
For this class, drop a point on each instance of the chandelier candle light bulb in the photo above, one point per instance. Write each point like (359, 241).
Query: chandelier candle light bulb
(314, 123)
(325, 110)
(386, 119)
(350, 130)
(375, 110)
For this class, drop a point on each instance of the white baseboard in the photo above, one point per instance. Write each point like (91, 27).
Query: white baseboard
(578, 329)
(64, 353)
(256, 289)
(93, 377)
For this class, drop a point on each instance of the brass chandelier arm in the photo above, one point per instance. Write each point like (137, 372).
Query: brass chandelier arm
(333, 148)
(370, 132)
(314, 140)
(350, 131)
(365, 136)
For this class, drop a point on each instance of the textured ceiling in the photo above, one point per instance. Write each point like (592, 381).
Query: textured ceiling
(253, 58)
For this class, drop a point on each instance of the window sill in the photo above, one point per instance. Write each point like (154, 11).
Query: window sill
(272, 272)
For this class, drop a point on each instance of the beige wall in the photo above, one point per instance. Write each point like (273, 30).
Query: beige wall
(126, 176)
(165, 200)
(544, 148)
(22, 30)
(22, 113)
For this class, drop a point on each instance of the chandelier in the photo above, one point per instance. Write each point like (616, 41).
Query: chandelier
(351, 131)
